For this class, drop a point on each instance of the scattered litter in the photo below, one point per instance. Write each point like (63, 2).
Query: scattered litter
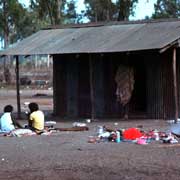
(26, 103)
(22, 132)
(156, 135)
(170, 138)
(46, 133)
(100, 130)
(26, 112)
(173, 121)
(88, 120)
(49, 125)
(118, 137)
(50, 122)
(104, 135)
(142, 141)
(78, 124)
(93, 139)
(132, 134)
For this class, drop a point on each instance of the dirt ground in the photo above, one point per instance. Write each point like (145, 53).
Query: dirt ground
(69, 156)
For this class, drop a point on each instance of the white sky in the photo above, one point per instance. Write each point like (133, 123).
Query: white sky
(144, 8)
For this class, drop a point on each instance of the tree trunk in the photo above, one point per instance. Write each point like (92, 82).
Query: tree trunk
(59, 3)
(50, 14)
(6, 34)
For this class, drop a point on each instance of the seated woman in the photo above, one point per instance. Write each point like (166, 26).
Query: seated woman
(36, 118)
(7, 123)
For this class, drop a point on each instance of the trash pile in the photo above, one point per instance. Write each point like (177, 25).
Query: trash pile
(135, 135)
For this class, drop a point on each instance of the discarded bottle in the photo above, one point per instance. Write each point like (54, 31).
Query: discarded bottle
(118, 138)
(100, 130)
(156, 134)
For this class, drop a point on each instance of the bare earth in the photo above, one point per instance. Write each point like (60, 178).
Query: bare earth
(69, 156)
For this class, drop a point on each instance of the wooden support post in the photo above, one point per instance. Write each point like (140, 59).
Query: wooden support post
(175, 85)
(17, 88)
(91, 87)
(54, 85)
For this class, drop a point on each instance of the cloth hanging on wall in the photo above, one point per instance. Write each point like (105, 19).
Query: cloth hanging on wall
(125, 84)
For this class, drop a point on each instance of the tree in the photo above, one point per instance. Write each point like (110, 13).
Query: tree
(99, 10)
(10, 13)
(125, 9)
(16, 22)
(48, 10)
(106, 10)
(69, 12)
(167, 9)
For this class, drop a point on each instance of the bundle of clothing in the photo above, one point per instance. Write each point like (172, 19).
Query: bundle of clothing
(125, 84)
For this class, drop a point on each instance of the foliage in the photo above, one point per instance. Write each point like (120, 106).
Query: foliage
(10, 14)
(99, 10)
(16, 22)
(106, 10)
(69, 12)
(48, 10)
(55, 12)
(125, 9)
(167, 9)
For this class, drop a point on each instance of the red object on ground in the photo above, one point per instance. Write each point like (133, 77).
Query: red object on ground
(132, 134)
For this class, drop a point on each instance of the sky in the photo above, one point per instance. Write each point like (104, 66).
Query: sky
(144, 8)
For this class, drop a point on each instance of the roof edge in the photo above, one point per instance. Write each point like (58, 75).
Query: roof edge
(109, 23)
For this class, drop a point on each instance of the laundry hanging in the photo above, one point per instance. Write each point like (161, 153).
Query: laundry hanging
(125, 84)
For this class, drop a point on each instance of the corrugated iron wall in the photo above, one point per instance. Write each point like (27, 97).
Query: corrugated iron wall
(152, 98)
(160, 86)
(168, 89)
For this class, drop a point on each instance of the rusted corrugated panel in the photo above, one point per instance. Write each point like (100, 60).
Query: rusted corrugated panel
(168, 93)
(112, 38)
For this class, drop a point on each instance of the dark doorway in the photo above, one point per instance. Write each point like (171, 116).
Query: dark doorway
(138, 101)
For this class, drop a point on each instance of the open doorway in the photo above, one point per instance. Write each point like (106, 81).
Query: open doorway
(138, 104)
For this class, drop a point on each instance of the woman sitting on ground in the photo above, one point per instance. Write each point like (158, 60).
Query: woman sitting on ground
(36, 118)
(7, 123)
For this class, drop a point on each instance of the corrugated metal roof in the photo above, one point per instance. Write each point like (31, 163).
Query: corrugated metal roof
(100, 39)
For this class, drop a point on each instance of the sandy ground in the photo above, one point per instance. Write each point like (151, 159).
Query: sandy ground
(69, 156)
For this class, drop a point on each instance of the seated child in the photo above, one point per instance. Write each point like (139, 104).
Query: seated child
(36, 118)
(7, 123)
